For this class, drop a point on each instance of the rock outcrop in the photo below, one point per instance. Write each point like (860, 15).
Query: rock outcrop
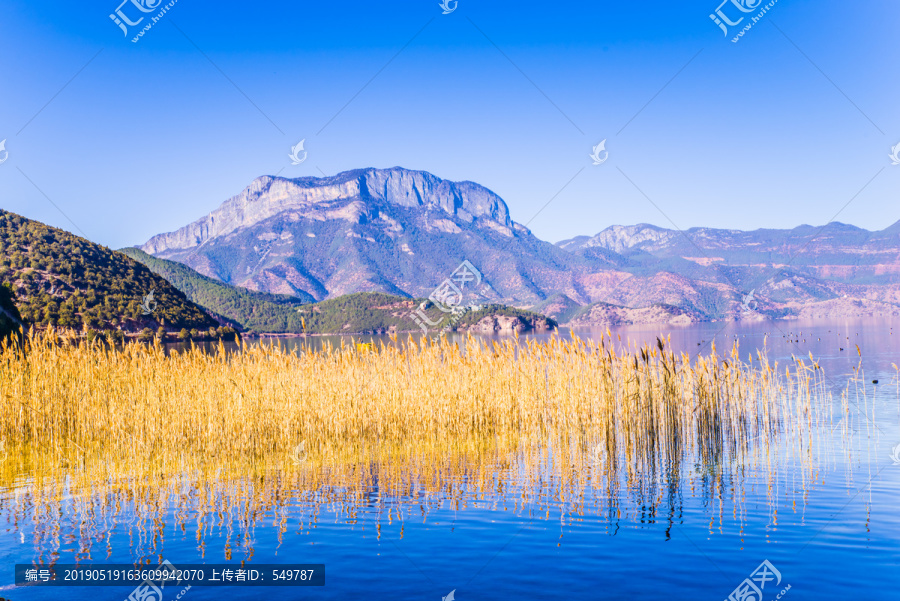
(506, 324)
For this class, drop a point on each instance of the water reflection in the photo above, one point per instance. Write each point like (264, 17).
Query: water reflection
(805, 480)
(83, 505)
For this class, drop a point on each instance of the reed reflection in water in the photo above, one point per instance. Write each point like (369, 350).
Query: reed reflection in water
(68, 500)
(104, 441)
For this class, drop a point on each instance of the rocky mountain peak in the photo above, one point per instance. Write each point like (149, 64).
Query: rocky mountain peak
(619, 238)
(348, 195)
(402, 231)
(466, 200)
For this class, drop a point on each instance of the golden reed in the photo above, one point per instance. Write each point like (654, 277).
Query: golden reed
(636, 403)
(97, 435)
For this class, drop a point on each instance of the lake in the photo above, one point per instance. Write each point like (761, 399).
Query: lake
(813, 515)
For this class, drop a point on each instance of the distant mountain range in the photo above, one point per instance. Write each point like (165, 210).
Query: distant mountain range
(403, 232)
(833, 270)
(291, 256)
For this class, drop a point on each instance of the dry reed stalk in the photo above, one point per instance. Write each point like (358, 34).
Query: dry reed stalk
(648, 405)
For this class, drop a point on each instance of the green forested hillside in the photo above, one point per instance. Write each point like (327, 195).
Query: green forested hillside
(57, 278)
(257, 311)
(261, 312)
(360, 312)
(282, 314)
(378, 312)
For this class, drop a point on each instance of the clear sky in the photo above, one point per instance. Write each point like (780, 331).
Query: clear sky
(786, 126)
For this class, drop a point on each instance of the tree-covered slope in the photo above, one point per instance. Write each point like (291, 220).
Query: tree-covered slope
(262, 312)
(57, 278)
(376, 312)
(258, 311)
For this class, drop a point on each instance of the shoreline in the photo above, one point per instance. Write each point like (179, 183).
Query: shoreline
(172, 335)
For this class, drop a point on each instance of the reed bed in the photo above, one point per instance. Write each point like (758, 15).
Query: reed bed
(102, 439)
(646, 406)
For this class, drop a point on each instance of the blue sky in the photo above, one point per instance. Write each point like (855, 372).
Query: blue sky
(792, 124)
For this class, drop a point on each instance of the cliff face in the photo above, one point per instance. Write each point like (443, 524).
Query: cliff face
(386, 230)
(353, 196)
(404, 232)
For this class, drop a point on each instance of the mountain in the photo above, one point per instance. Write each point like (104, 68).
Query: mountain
(835, 252)
(56, 278)
(387, 230)
(403, 232)
(785, 270)
(620, 238)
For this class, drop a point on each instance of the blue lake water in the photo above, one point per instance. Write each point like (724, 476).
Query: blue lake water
(510, 520)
